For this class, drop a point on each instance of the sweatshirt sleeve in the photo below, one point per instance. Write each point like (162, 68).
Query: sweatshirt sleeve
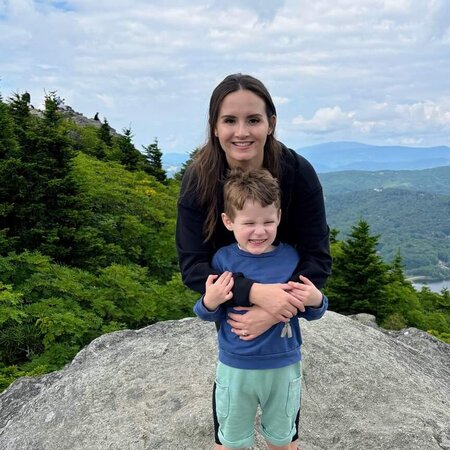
(315, 313)
(204, 313)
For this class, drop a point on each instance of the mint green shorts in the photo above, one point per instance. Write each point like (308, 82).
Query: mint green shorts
(238, 394)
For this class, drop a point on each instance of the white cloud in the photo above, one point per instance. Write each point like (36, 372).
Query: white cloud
(280, 100)
(325, 120)
(368, 69)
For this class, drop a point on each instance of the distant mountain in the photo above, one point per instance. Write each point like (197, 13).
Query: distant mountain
(338, 156)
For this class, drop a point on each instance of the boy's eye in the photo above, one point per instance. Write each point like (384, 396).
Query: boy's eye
(269, 222)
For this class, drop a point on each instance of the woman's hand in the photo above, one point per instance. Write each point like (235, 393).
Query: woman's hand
(306, 292)
(277, 300)
(254, 322)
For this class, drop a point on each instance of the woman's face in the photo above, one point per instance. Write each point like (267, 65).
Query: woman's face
(242, 128)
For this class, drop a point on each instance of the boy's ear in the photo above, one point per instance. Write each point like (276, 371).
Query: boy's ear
(279, 217)
(227, 222)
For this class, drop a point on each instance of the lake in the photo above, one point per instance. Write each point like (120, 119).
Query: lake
(435, 286)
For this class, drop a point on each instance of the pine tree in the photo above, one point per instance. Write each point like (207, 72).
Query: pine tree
(104, 133)
(8, 142)
(153, 155)
(180, 173)
(40, 188)
(19, 108)
(129, 156)
(9, 167)
(359, 274)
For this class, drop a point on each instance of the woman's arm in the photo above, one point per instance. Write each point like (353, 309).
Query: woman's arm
(303, 219)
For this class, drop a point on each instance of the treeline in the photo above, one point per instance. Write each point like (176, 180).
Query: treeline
(87, 226)
(363, 283)
(384, 199)
(86, 237)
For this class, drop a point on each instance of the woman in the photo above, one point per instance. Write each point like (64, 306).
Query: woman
(242, 121)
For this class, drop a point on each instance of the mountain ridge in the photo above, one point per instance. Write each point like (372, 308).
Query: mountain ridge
(350, 155)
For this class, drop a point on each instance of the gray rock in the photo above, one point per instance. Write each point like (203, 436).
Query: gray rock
(151, 389)
(366, 319)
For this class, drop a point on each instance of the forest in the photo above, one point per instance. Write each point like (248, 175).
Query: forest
(384, 199)
(87, 225)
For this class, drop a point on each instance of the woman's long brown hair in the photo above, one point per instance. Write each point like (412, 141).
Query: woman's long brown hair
(209, 163)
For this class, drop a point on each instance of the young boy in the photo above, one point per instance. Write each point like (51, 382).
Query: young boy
(264, 371)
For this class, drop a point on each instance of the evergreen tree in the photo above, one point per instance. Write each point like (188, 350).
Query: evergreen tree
(19, 108)
(104, 133)
(129, 156)
(40, 188)
(359, 274)
(8, 142)
(401, 306)
(180, 173)
(9, 166)
(153, 155)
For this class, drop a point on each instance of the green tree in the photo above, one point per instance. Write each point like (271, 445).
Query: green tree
(180, 173)
(359, 275)
(401, 307)
(104, 133)
(10, 165)
(129, 156)
(38, 186)
(19, 108)
(153, 155)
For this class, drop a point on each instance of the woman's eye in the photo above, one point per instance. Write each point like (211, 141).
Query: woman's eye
(254, 121)
(229, 120)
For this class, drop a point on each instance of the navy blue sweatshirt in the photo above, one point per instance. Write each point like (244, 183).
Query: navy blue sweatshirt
(272, 349)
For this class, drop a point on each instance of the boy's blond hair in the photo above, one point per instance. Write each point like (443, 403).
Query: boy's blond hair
(256, 185)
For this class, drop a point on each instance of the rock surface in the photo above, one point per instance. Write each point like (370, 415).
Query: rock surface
(150, 389)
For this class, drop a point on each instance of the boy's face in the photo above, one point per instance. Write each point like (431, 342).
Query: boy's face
(254, 227)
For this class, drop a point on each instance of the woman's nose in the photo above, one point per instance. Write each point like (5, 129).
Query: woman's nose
(242, 130)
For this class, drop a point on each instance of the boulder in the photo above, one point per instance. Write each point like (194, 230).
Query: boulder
(151, 389)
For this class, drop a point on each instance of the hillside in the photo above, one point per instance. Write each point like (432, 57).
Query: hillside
(417, 223)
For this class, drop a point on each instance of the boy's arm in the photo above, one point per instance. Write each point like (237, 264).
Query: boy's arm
(312, 313)
(315, 302)
(202, 312)
(218, 291)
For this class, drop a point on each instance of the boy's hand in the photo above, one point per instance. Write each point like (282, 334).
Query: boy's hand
(218, 290)
(306, 292)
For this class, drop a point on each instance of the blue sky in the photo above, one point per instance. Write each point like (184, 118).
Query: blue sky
(373, 71)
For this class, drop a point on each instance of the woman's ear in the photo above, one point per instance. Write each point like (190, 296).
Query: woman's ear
(272, 123)
(227, 222)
